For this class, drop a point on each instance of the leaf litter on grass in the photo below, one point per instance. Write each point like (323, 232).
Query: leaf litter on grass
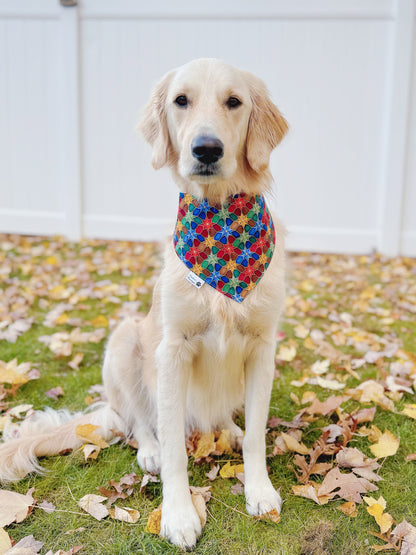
(346, 345)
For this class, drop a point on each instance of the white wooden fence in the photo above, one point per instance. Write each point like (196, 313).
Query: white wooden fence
(72, 80)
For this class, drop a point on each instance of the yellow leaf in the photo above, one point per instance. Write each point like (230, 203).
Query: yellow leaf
(99, 321)
(349, 508)
(206, 445)
(62, 319)
(153, 522)
(86, 432)
(384, 520)
(51, 260)
(373, 433)
(306, 285)
(59, 292)
(7, 375)
(386, 446)
(301, 331)
(308, 397)
(287, 353)
(410, 411)
(228, 471)
(372, 501)
(309, 344)
(293, 444)
(223, 444)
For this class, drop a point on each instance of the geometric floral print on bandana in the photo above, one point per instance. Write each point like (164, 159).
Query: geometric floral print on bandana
(229, 246)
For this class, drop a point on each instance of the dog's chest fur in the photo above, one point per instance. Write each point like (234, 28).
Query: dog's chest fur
(220, 334)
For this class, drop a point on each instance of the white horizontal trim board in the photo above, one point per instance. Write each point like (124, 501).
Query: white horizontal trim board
(408, 243)
(127, 227)
(298, 238)
(332, 240)
(237, 9)
(32, 223)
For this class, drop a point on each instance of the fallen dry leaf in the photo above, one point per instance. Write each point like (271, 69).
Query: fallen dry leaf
(153, 522)
(229, 471)
(349, 508)
(212, 474)
(125, 514)
(271, 516)
(286, 353)
(86, 432)
(92, 504)
(328, 406)
(350, 486)
(375, 508)
(386, 446)
(90, 451)
(14, 507)
(55, 392)
(76, 361)
(410, 411)
(46, 506)
(206, 446)
(405, 532)
(293, 445)
(5, 541)
(310, 491)
(146, 479)
(200, 497)
(26, 546)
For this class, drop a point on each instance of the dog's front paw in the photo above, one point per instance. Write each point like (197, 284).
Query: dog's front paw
(262, 499)
(237, 437)
(180, 525)
(148, 457)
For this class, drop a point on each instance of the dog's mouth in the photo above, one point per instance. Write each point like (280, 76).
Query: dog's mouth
(206, 170)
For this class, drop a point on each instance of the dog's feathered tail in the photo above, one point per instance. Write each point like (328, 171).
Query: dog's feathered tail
(48, 433)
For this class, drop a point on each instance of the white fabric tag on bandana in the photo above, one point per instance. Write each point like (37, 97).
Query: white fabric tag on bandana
(195, 280)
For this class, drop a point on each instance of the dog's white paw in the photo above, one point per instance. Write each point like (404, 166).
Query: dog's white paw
(236, 440)
(262, 499)
(148, 457)
(181, 525)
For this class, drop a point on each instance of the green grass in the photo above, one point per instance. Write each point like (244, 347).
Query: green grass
(229, 530)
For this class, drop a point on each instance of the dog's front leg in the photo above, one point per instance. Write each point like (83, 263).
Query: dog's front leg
(261, 497)
(180, 522)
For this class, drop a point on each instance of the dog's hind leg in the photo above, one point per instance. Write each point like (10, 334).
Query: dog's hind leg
(129, 393)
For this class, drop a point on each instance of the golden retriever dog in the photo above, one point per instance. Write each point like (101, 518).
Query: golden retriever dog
(207, 346)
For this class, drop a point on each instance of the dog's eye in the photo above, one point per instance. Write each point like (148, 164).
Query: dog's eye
(233, 102)
(181, 100)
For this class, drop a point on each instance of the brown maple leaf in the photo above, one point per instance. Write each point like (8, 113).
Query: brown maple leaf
(347, 485)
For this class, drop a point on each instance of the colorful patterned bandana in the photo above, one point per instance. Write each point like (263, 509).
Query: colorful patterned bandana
(228, 246)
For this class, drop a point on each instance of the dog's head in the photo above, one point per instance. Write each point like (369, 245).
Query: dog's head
(211, 121)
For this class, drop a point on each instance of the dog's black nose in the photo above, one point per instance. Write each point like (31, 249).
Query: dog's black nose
(207, 149)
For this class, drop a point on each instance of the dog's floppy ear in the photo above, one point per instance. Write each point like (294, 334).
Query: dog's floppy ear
(154, 126)
(266, 126)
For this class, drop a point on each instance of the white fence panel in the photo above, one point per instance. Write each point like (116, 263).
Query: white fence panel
(39, 143)
(340, 70)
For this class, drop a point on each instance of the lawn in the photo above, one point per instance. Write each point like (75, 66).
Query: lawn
(349, 331)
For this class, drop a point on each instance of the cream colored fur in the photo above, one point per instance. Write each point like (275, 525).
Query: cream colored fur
(198, 356)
